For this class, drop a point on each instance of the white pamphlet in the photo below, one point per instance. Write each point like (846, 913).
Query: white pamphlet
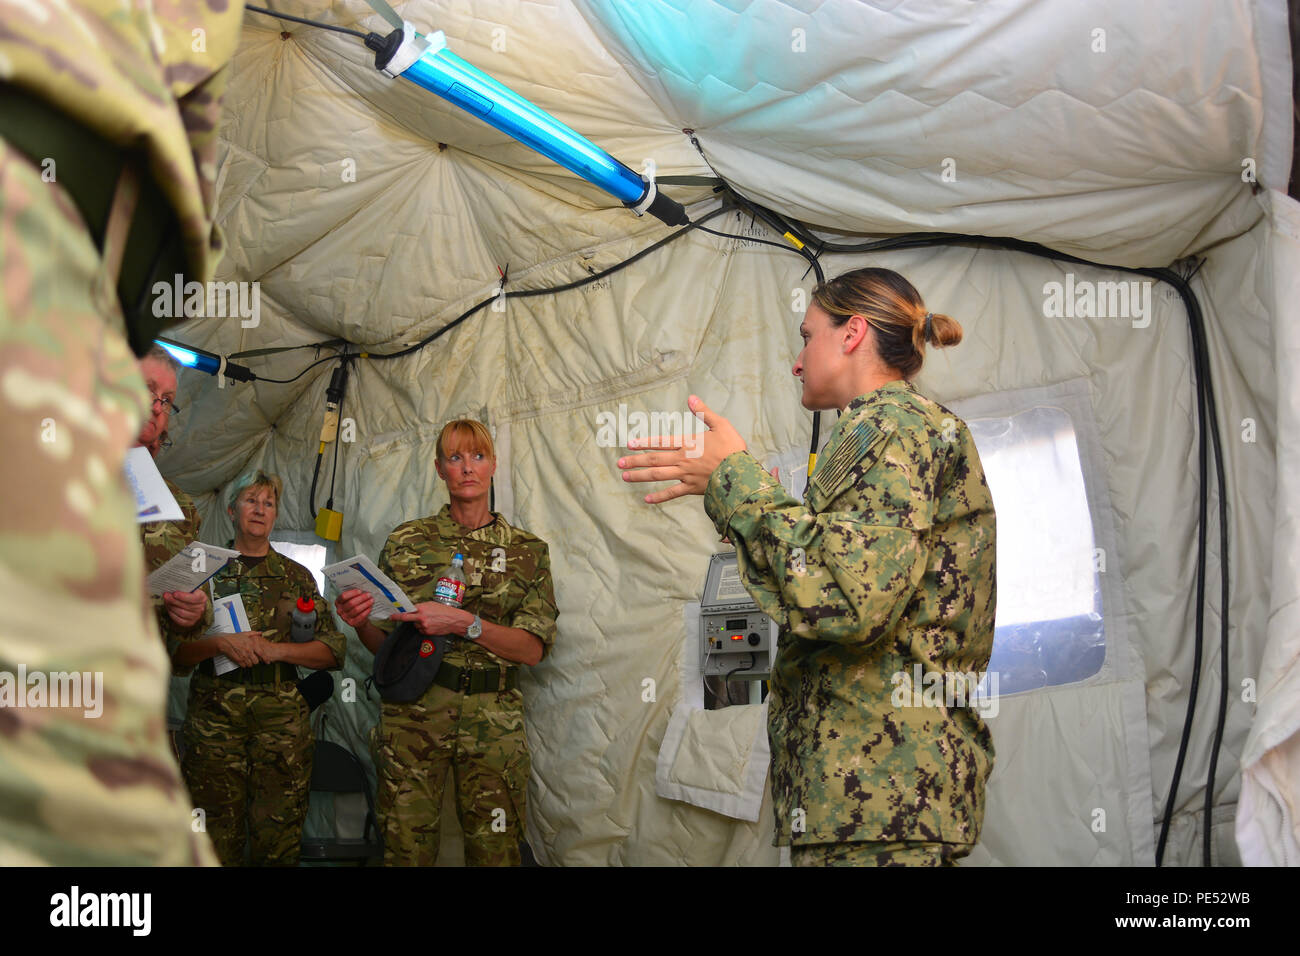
(153, 500)
(228, 617)
(189, 568)
(364, 575)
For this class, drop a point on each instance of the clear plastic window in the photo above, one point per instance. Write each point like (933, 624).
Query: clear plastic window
(311, 556)
(1049, 627)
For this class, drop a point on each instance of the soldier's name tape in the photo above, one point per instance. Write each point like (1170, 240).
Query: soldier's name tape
(82, 690)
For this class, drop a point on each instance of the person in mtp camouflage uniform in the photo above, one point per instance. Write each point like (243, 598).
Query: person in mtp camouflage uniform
(106, 109)
(469, 725)
(248, 740)
(181, 615)
(886, 566)
(189, 613)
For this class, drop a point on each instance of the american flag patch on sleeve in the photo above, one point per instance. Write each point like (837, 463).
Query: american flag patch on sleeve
(831, 472)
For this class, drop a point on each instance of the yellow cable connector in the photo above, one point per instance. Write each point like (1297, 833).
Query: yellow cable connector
(329, 524)
(790, 237)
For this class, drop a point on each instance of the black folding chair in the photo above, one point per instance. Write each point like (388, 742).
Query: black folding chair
(335, 770)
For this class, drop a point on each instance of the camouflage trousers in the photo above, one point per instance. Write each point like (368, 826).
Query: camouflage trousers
(76, 787)
(863, 853)
(477, 739)
(248, 755)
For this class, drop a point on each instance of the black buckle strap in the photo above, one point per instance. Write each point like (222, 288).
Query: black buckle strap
(474, 680)
(261, 673)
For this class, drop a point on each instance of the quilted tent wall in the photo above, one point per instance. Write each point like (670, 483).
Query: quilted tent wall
(372, 212)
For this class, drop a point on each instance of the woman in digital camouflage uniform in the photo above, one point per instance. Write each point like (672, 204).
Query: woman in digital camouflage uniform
(467, 729)
(248, 740)
(886, 567)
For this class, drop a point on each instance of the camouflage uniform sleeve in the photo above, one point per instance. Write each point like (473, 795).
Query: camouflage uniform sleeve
(174, 636)
(537, 612)
(162, 541)
(385, 562)
(843, 575)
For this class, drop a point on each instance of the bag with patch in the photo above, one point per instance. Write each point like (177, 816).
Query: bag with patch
(407, 663)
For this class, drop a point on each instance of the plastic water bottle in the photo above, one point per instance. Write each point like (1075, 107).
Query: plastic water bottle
(303, 628)
(450, 589)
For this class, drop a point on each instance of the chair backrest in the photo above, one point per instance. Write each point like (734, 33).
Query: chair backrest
(336, 769)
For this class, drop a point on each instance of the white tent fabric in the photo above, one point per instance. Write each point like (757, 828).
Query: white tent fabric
(369, 210)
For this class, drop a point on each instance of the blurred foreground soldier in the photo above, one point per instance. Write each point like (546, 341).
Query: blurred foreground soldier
(248, 739)
(108, 123)
(468, 726)
(886, 566)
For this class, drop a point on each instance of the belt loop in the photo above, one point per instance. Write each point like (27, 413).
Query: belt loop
(120, 215)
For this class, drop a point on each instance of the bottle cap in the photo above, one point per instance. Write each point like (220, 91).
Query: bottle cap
(306, 605)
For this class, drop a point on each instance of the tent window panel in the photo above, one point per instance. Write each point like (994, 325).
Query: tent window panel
(302, 548)
(1050, 628)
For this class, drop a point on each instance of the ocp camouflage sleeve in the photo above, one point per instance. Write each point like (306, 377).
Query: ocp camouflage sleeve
(76, 788)
(140, 75)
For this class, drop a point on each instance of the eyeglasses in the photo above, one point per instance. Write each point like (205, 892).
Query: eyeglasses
(168, 406)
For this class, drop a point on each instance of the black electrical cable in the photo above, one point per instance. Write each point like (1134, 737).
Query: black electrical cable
(519, 293)
(726, 679)
(338, 440)
(286, 381)
(1207, 409)
(529, 293)
(277, 350)
(1207, 417)
(315, 474)
(310, 23)
(786, 246)
(320, 451)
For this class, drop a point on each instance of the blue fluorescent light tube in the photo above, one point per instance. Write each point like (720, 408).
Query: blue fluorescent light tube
(190, 358)
(206, 361)
(426, 62)
(497, 105)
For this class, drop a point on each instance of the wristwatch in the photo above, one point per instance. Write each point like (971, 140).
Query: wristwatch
(475, 629)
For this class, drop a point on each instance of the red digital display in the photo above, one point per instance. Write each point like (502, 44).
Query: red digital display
(737, 637)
